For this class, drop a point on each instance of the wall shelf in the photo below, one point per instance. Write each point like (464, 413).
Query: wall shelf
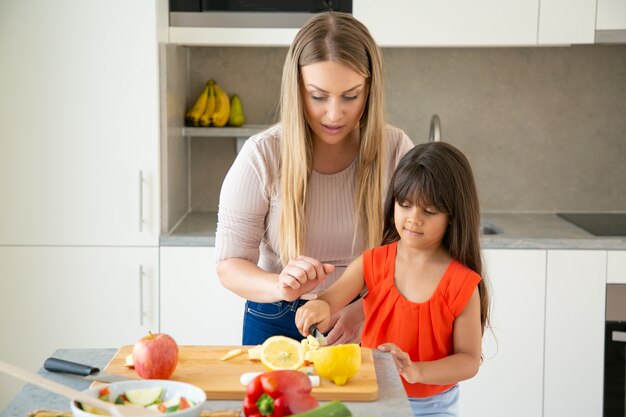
(241, 134)
(224, 132)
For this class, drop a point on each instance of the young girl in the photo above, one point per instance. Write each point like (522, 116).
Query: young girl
(426, 302)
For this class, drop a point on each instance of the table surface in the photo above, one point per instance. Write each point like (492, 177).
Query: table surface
(392, 400)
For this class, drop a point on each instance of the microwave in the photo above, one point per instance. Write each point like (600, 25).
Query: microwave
(250, 13)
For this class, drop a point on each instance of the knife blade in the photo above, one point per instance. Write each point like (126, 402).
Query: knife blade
(318, 335)
(87, 372)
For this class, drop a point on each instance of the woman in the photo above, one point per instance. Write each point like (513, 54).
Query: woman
(304, 198)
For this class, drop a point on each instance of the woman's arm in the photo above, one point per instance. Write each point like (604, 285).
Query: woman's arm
(247, 280)
(461, 365)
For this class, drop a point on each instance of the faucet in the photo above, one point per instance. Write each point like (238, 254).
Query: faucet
(435, 129)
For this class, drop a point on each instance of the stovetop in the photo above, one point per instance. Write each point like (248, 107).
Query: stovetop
(598, 224)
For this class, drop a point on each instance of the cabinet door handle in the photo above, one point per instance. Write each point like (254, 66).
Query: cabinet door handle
(140, 200)
(618, 336)
(141, 313)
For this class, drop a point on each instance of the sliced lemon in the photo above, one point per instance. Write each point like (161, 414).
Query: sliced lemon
(231, 354)
(254, 353)
(280, 352)
(313, 342)
(337, 363)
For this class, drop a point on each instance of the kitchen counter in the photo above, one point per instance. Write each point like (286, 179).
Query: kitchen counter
(517, 231)
(391, 401)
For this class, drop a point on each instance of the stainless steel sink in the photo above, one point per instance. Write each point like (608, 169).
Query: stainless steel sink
(598, 224)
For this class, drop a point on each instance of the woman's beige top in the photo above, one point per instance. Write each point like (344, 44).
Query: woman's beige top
(249, 207)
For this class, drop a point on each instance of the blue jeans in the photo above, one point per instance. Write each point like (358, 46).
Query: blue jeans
(262, 320)
(444, 404)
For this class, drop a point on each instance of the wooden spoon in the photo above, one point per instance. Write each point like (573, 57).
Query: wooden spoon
(112, 409)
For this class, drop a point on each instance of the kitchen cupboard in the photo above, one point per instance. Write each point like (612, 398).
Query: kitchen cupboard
(512, 368)
(449, 22)
(616, 267)
(563, 22)
(611, 15)
(79, 175)
(574, 341)
(79, 157)
(78, 297)
(195, 308)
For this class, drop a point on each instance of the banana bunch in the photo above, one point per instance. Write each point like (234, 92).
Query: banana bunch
(213, 108)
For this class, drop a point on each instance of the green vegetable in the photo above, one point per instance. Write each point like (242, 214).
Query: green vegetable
(332, 409)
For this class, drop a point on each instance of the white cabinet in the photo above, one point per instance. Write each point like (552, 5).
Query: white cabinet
(616, 267)
(510, 380)
(611, 15)
(79, 116)
(574, 345)
(449, 22)
(79, 175)
(195, 308)
(70, 297)
(567, 22)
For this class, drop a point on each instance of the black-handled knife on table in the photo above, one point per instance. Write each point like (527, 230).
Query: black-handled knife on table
(87, 372)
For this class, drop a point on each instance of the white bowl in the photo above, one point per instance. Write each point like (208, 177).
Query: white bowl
(171, 390)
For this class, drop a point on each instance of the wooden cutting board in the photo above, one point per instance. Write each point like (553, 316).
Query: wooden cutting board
(201, 366)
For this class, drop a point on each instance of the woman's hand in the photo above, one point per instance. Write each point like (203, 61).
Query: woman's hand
(300, 276)
(313, 312)
(348, 326)
(407, 368)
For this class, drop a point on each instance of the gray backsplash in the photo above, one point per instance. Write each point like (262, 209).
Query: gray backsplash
(544, 128)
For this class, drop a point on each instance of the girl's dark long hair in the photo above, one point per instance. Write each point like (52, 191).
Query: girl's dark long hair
(440, 175)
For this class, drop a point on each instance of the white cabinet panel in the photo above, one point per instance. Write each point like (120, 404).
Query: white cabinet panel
(59, 297)
(616, 267)
(449, 22)
(574, 351)
(79, 117)
(611, 15)
(510, 380)
(195, 308)
(567, 22)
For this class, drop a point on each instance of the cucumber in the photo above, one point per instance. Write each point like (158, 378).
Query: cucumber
(332, 409)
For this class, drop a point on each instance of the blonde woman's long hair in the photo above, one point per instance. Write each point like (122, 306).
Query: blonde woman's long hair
(341, 38)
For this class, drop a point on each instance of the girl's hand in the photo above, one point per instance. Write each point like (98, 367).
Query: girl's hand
(313, 312)
(300, 276)
(407, 368)
(349, 324)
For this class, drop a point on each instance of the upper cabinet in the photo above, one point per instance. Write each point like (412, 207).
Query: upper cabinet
(79, 160)
(444, 23)
(611, 15)
(567, 22)
(611, 21)
(479, 23)
(450, 22)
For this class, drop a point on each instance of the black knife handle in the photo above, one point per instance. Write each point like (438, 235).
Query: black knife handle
(60, 365)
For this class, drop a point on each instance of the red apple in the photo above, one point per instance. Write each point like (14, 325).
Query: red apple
(155, 356)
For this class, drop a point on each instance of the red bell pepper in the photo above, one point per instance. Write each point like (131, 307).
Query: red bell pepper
(278, 394)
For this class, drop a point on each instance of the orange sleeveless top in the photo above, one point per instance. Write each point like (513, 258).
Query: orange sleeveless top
(423, 330)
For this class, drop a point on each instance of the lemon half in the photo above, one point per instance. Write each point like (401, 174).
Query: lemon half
(280, 352)
(337, 363)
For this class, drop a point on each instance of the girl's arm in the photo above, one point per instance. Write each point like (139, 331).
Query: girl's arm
(461, 365)
(319, 311)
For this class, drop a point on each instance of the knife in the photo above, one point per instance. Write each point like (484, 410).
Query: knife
(318, 335)
(87, 372)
